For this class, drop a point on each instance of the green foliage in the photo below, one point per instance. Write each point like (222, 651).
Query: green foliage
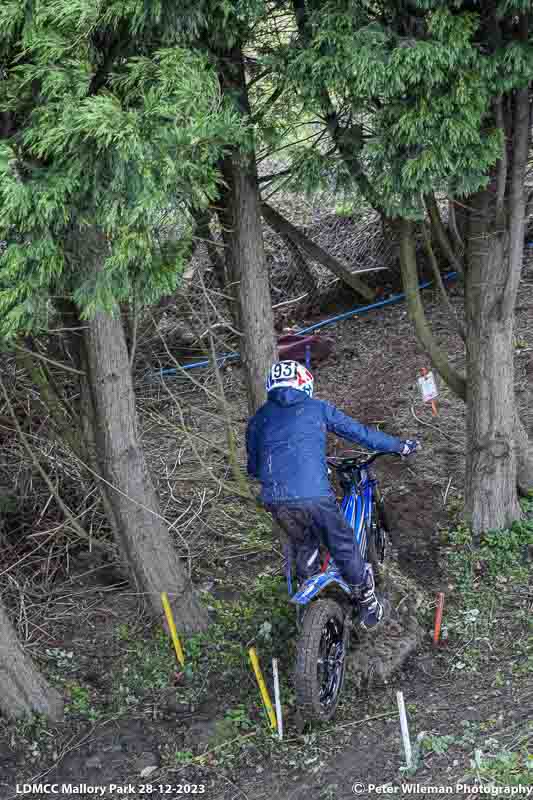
(437, 744)
(63, 660)
(504, 551)
(148, 665)
(114, 132)
(484, 601)
(502, 554)
(34, 726)
(118, 122)
(414, 90)
(80, 701)
(507, 768)
(184, 757)
(236, 722)
(239, 718)
(346, 210)
(264, 615)
(11, 21)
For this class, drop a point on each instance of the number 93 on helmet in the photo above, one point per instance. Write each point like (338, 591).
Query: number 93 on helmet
(290, 374)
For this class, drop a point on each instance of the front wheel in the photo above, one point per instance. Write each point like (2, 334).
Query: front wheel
(321, 660)
(377, 541)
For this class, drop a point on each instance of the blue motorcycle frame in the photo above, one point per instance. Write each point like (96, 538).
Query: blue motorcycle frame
(358, 505)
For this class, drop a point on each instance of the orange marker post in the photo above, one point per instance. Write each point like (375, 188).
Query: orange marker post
(438, 618)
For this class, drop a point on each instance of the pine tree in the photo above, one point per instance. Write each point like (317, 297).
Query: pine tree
(225, 30)
(108, 120)
(101, 135)
(426, 99)
(241, 216)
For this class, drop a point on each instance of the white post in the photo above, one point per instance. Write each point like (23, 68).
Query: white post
(405, 730)
(277, 699)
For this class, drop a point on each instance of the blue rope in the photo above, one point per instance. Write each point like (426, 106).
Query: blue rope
(347, 314)
(394, 299)
(220, 360)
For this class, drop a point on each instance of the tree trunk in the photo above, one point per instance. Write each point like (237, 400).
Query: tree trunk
(495, 253)
(461, 223)
(416, 310)
(143, 538)
(456, 228)
(285, 228)
(524, 458)
(441, 234)
(437, 277)
(245, 254)
(225, 303)
(491, 466)
(23, 690)
(518, 158)
(456, 381)
(216, 257)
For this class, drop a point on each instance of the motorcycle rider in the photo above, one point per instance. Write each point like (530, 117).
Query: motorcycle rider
(286, 449)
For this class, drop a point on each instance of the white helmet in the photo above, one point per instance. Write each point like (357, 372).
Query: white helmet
(290, 374)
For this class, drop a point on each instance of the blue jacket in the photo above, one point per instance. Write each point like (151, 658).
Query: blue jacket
(286, 445)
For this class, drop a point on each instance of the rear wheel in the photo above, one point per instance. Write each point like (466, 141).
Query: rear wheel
(321, 660)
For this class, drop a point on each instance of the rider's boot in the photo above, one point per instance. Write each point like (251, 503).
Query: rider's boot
(370, 608)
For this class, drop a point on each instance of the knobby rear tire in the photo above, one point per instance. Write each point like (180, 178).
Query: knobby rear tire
(307, 657)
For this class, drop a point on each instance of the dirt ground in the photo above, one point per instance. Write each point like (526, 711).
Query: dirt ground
(459, 713)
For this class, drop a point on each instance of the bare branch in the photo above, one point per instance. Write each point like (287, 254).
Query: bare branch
(66, 511)
(314, 251)
(49, 360)
(441, 234)
(440, 283)
(237, 474)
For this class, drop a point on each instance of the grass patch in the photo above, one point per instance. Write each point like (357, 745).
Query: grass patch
(506, 768)
(264, 617)
(147, 665)
(80, 702)
(217, 666)
(488, 598)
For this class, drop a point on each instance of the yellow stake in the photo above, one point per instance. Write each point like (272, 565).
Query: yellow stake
(172, 628)
(262, 687)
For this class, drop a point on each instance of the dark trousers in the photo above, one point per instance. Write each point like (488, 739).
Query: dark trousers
(314, 522)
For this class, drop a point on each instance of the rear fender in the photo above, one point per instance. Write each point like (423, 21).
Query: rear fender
(317, 584)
